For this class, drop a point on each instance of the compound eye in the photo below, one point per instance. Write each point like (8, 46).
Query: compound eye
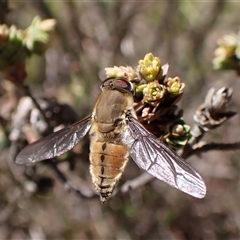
(118, 83)
(121, 83)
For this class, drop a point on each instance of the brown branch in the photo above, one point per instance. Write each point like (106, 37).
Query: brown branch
(206, 147)
(74, 19)
(198, 33)
(29, 94)
(127, 186)
(121, 24)
(209, 115)
(4, 10)
(134, 183)
(167, 28)
(66, 183)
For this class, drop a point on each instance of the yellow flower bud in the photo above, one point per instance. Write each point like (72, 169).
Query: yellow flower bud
(149, 67)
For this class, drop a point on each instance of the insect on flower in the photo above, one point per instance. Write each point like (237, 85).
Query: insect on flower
(116, 134)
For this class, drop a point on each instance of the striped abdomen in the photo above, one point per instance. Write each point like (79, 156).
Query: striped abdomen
(107, 162)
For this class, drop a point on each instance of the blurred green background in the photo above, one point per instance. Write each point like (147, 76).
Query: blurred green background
(92, 35)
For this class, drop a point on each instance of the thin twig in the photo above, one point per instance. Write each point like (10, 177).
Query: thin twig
(67, 183)
(121, 24)
(29, 94)
(198, 33)
(4, 10)
(206, 147)
(134, 183)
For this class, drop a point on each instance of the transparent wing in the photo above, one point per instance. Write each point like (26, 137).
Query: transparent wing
(160, 161)
(55, 144)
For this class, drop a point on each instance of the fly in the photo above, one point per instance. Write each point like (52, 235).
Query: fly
(116, 134)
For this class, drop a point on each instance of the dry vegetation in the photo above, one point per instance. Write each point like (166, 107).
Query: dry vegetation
(92, 35)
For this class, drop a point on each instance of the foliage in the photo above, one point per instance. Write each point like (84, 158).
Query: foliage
(88, 37)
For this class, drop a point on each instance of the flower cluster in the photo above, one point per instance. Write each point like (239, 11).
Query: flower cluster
(126, 72)
(17, 44)
(227, 54)
(156, 97)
